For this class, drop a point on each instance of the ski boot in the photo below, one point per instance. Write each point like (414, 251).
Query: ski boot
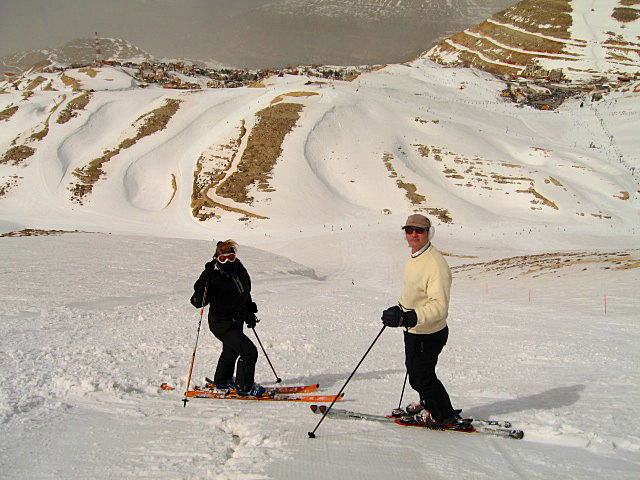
(256, 391)
(410, 410)
(225, 388)
(454, 422)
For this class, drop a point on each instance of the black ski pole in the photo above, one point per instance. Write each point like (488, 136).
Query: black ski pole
(193, 357)
(278, 379)
(312, 434)
(398, 411)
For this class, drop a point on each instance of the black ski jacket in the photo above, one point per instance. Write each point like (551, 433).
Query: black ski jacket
(228, 295)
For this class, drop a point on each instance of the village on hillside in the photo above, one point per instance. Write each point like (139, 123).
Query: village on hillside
(187, 76)
(534, 86)
(546, 89)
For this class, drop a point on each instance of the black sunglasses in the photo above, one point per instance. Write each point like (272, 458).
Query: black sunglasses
(410, 230)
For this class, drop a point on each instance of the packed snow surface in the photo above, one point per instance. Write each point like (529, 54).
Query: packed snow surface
(92, 324)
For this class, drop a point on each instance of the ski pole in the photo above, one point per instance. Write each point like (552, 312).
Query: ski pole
(193, 357)
(404, 384)
(278, 379)
(312, 434)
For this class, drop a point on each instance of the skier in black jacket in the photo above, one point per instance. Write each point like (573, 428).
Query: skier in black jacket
(225, 286)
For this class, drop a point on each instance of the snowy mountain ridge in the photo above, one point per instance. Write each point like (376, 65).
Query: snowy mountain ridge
(79, 51)
(582, 38)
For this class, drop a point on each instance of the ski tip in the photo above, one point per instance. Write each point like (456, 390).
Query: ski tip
(313, 408)
(166, 386)
(323, 408)
(311, 435)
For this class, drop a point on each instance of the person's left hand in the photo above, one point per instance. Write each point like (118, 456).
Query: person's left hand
(396, 317)
(252, 320)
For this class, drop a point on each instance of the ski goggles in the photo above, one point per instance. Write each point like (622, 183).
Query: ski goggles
(410, 230)
(227, 257)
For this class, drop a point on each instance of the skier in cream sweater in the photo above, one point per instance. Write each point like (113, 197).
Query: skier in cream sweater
(423, 309)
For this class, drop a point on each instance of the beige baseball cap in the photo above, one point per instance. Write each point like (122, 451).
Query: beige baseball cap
(418, 220)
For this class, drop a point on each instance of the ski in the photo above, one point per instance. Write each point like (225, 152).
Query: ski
(210, 385)
(464, 426)
(486, 427)
(274, 397)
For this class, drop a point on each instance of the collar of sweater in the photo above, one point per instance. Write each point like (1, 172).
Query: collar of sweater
(422, 250)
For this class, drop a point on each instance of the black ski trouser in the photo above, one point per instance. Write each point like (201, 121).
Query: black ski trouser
(421, 356)
(236, 347)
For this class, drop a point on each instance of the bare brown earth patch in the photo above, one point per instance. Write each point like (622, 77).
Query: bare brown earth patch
(623, 196)
(411, 192)
(39, 135)
(549, 17)
(454, 255)
(17, 154)
(8, 112)
(279, 98)
(264, 146)
(72, 108)
(34, 232)
(89, 72)
(146, 125)
(547, 263)
(75, 85)
(514, 46)
(211, 169)
(625, 15)
(36, 82)
(21, 150)
(476, 172)
(8, 184)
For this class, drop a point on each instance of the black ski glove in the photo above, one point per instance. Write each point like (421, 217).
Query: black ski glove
(396, 317)
(251, 320)
(196, 300)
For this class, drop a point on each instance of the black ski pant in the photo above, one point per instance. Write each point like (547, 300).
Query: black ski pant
(421, 356)
(236, 346)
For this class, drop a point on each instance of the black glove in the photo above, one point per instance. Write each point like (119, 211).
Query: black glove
(396, 317)
(196, 300)
(251, 320)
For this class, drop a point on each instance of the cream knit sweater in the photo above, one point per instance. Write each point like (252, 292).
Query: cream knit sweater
(427, 286)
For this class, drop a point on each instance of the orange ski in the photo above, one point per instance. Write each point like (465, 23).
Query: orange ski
(267, 398)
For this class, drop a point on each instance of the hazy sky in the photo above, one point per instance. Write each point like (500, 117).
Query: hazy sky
(27, 24)
(234, 32)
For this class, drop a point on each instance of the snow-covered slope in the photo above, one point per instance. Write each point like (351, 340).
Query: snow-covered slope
(88, 147)
(583, 38)
(92, 324)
